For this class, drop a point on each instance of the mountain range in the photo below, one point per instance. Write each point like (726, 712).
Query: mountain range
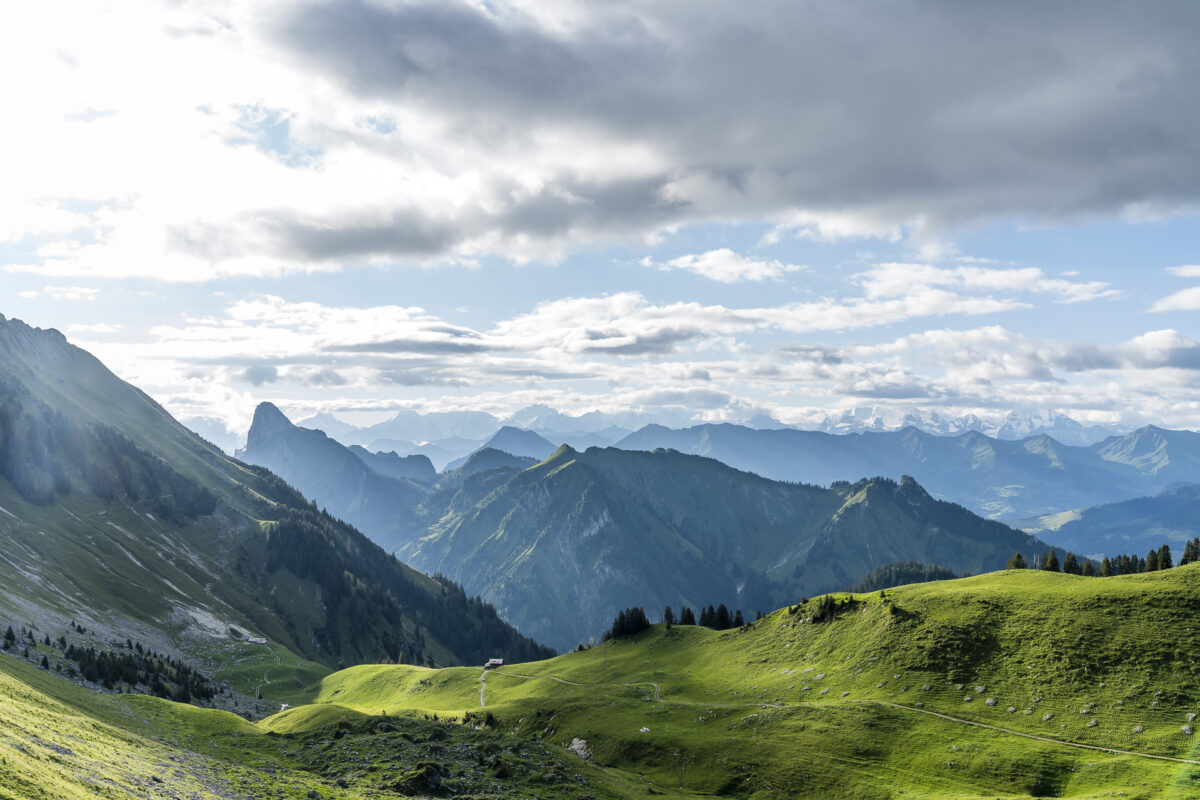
(560, 544)
(1009, 480)
(116, 516)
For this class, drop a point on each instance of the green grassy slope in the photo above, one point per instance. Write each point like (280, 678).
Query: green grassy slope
(1091, 683)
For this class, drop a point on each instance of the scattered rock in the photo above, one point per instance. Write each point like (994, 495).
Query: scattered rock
(1047, 717)
(896, 676)
(1120, 702)
(1187, 730)
(580, 748)
(958, 686)
(968, 699)
(313, 794)
(845, 694)
(819, 676)
(1012, 709)
(920, 705)
(926, 687)
(1138, 729)
(990, 701)
(1091, 723)
(825, 691)
(978, 690)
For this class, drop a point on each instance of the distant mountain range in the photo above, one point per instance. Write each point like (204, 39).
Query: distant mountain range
(1130, 526)
(115, 515)
(453, 435)
(1011, 480)
(561, 543)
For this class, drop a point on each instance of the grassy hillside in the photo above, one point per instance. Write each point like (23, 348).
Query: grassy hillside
(1011, 684)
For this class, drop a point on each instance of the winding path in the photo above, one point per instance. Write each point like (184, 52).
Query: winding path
(1034, 735)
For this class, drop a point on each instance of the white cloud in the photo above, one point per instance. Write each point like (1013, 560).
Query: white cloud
(898, 279)
(726, 266)
(95, 327)
(63, 293)
(1183, 300)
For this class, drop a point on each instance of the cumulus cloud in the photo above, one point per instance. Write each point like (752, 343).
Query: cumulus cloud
(1185, 299)
(438, 132)
(726, 266)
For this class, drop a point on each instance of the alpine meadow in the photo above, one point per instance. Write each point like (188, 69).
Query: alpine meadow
(590, 401)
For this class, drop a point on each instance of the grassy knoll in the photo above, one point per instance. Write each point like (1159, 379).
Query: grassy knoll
(875, 702)
(1092, 682)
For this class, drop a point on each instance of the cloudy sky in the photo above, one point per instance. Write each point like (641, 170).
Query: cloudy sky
(727, 208)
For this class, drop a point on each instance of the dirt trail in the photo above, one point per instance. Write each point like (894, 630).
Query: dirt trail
(1034, 735)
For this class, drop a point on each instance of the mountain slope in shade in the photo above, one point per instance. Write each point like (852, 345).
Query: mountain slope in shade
(561, 546)
(114, 514)
(514, 441)
(1000, 479)
(1131, 526)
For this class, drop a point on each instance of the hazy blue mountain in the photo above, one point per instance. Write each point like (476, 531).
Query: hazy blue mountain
(411, 467)
(559, 547)
(439, 453)
(999, 479)
(114, 514)
(330, 473)
(1130, 526)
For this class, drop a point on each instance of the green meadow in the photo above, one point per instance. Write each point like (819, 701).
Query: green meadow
(1006, 685)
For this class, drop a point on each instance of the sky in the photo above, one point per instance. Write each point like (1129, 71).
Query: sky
(704, 208)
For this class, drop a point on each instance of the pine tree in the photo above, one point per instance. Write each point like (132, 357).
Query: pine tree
(738, 620)
(687, 616)
(1152, 561)
(45, 663)
(668, 617)
(1050, 564)
(1164, 557)
(1071, 564)
(1016, 562)
(723, 621)
(10, 638)
(1106, 568)
(1089, 569)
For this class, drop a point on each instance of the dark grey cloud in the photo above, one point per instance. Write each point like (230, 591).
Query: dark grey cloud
(259, 374)
(417, 346)
(954, 112)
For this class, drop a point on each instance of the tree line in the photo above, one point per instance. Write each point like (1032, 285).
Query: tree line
(134, 666)
(1130, 564)
(633, 620)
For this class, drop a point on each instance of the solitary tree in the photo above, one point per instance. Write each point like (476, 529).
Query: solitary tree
(668, 617)
(1016, 562)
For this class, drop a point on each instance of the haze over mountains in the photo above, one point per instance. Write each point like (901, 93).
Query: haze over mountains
(560, 545)
(116, 515)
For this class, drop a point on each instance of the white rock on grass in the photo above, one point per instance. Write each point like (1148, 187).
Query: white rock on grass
(1138, 729)
(845, 694)
(978, 690)
(825, 691)
(1187, 730)
(1012, 709)
(1191, 717)
(580, 748)
(968, 699)
(1047, 717)
(990, 701)
(1091, 723)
